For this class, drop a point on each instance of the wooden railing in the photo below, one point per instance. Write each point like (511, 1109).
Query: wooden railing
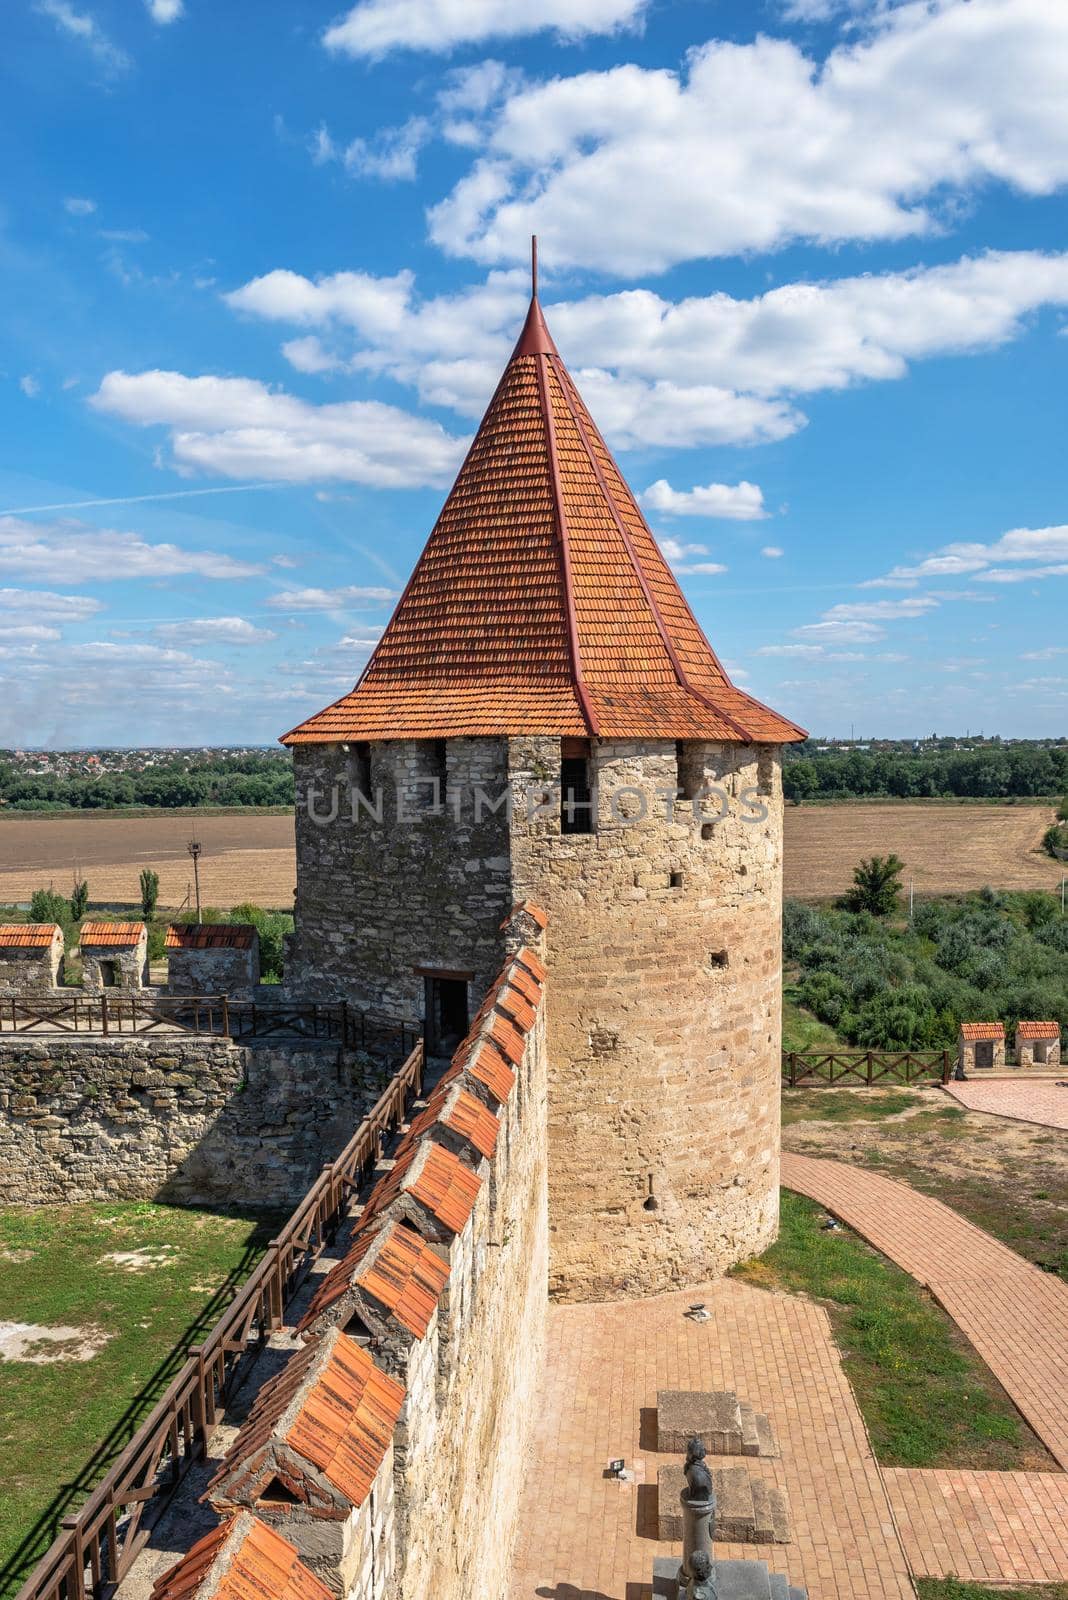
(97, 1546)
(801, 1068)
(212, 1015)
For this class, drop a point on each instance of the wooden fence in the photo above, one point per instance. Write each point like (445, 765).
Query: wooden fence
(806, 1068)
(214, 1015)
(98, 1545)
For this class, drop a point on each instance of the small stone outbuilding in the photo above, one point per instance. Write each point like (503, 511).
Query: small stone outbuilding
(213, 958)
(114, 956)
(31, 957)
(981, 1045)
(1038, 1044)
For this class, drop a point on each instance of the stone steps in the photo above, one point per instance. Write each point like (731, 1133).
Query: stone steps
(749, 1510)
(735, 1580)
(725, 1425)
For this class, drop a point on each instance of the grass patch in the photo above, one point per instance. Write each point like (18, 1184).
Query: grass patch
(64, 1422)
(845, 1105)
(927, 1399)
(953, 1589)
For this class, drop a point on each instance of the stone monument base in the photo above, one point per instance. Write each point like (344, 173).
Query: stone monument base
(725, 1425)
(749, 1510)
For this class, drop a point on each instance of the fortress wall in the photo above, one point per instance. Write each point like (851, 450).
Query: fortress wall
(664, 1015)
(440, 1516)
(195, 1121)
(375, 899)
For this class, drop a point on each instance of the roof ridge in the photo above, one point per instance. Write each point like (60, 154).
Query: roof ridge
(560, 518)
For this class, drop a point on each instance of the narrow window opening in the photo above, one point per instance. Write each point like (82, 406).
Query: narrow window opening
(362, 767)
(576, 789)
(676, 879)
(718, 959)
(708, 830)
(357, 1329)
(765, 770)
(109, 974)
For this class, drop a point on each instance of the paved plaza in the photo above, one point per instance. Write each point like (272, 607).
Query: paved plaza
(1039, 1100)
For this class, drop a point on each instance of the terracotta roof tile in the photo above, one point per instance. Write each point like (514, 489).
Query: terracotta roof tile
(433, 1176)
(393, 1265)
(528, 987)
(111, 933)
(508, 1039)
(1039, 1030)
(456, 1109)
(486, 1065)
(28, 935)
(973, 1031)
(241, 1559)
(542, 602)
(533, 963)
(331, 1408)
(531, 910)
(516, 1007)
(210, 936)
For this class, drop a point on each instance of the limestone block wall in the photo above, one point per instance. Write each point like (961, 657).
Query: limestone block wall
(128, 964)
(198, 1121)
(31, 972)
(233, 972)
(664, 956)
(378, 898)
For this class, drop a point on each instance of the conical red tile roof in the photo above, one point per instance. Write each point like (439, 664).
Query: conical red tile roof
(542, 603)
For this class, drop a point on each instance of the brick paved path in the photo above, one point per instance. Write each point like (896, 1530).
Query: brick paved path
(1015, 1315)
(992, 1527)
(586, 1537)
(1038, 1101)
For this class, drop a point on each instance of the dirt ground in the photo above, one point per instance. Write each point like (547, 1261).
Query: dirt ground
(1010, 1178)
(248, 856)
(945, 848)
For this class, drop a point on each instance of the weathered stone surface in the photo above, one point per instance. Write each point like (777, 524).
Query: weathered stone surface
(201, 1121)
(713, 1416)
(749, 1510)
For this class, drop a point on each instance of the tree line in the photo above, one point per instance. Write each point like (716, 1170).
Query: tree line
(249, 779)
(991, 773)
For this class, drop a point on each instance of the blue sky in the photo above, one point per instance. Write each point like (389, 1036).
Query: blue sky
(806, 259)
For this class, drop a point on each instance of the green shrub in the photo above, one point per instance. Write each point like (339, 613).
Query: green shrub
(48, 906)
(1055, 840)
(876, 885)
(272, 926)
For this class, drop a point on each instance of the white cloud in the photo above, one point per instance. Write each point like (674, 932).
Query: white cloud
(77, 206)
(841, 632)
(351, 596)
(631, 170)
(393, 153)
(83, 26)
(105, 650)
(680, 557)
(85, 554)
(737, 502)
(165, 11)
(29, 633)
(772, 551)
(239, 427)
(1048, 654)
(799, 650)
(704, 370)
(375, 27)
(43, 604)
(1048, 546)
(474, 89)
(30, 386)
(214, 630)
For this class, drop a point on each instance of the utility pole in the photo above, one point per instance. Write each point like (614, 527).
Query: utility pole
(194, 847)
(912, 891)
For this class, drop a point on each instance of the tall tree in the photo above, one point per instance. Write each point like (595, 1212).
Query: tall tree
(876, 885)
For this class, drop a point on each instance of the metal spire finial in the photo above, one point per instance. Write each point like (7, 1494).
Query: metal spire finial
(533, 266)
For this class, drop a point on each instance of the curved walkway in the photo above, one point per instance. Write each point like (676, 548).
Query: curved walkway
(1041, 1100)
(1015, 1315)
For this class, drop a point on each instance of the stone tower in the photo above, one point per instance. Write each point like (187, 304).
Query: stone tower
(543, 719)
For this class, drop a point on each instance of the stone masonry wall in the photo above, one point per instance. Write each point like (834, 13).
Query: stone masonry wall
(235, 973)
(376, 899)
(197, 1121)
(30, 972)
(663, 948)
